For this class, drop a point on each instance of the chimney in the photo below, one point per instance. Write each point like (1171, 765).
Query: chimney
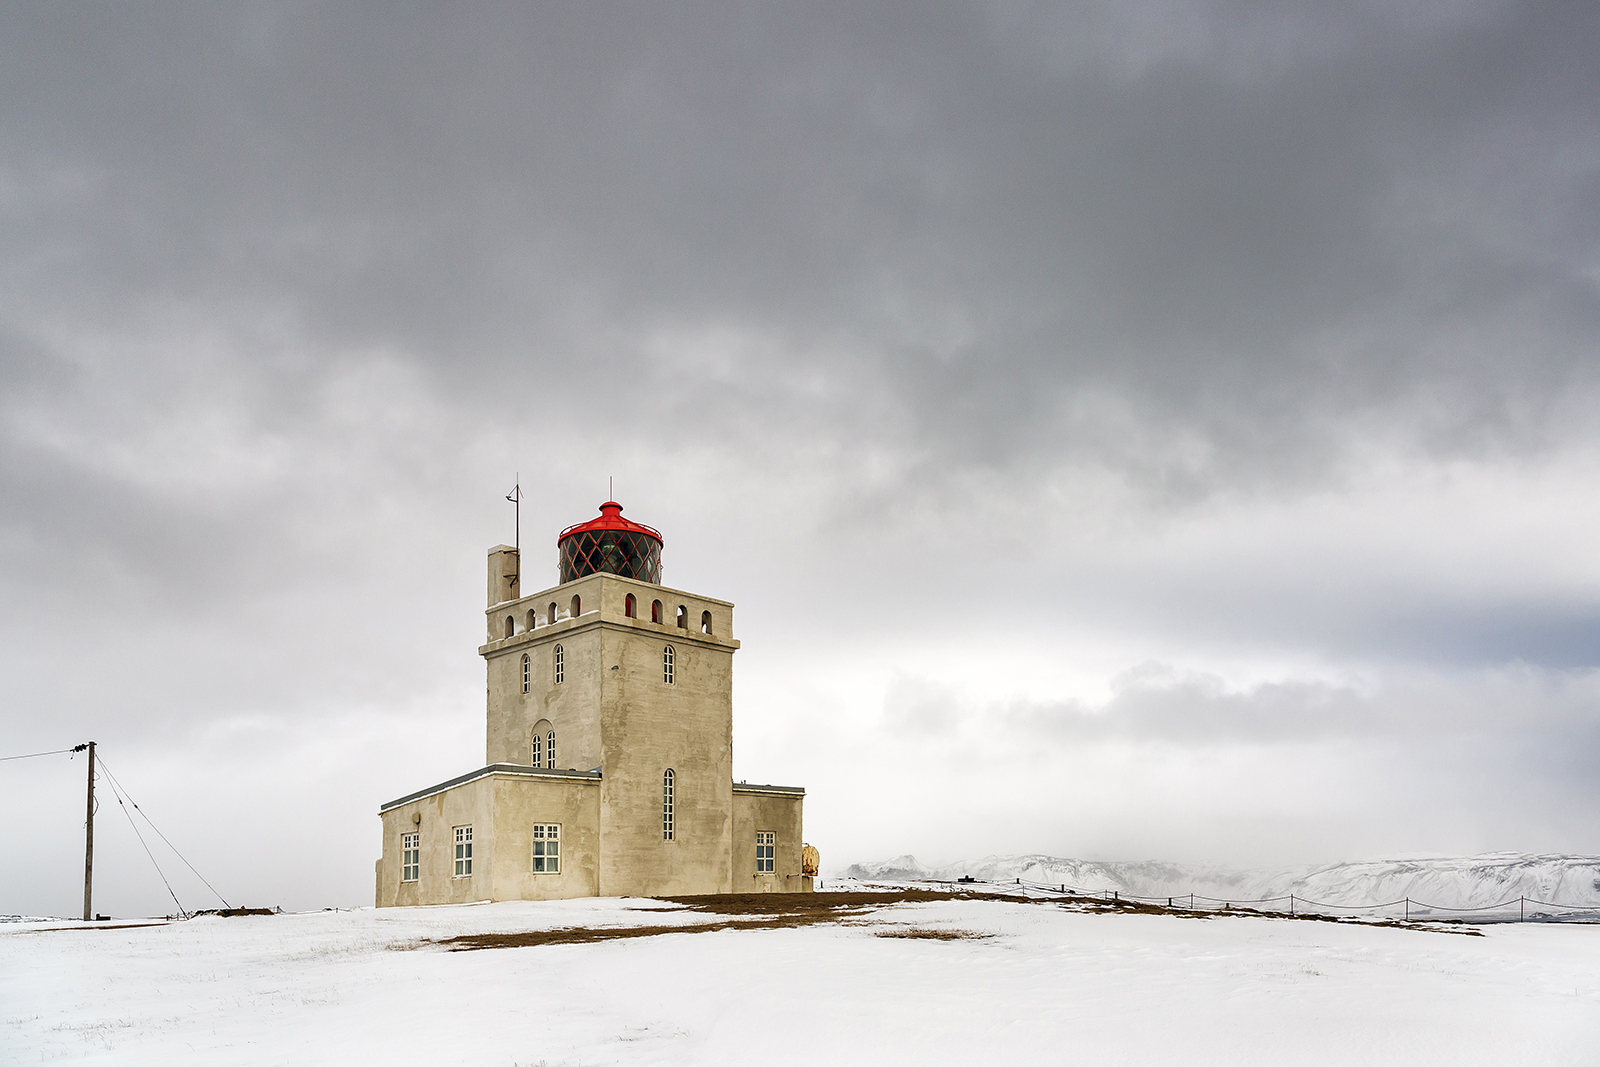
(505, 573)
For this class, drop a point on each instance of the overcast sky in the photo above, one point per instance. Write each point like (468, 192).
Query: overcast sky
(1136, 429)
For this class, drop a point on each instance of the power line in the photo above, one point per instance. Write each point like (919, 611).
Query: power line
(52, 752)
(117, 784)
(117, 793)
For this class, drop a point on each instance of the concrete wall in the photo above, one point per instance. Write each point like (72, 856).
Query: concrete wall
(648, 726)
(573, 706)
(519, 803)
(469, 804)
(501, 809)
(781, 814)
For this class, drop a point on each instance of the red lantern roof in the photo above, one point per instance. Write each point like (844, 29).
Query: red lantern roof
(610, 519)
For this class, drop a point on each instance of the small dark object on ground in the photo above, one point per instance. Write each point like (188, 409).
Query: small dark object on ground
(232, 913)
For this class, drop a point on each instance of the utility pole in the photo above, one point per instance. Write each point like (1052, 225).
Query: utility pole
(88, 845)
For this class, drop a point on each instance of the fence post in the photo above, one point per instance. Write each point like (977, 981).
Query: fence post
(1291, 903)
(1522, 908)
(1408, 909)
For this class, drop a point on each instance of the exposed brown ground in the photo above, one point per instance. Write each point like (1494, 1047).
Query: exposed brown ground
(927, 933)
(772, 911)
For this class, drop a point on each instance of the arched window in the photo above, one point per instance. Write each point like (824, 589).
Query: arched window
(511, 626)
(577, 607)
(705, 622)
(683, 617)
(533, 618)
(544, 736)
(655, 611)
(527, 673)
(667, 783)
(561, 664)
(552, 612)
(630, 607)
(667, 664)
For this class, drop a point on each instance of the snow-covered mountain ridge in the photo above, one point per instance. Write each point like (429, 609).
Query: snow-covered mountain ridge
(1464, 882)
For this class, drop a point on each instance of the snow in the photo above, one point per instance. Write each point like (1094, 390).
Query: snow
(1453, 883)
(1050, 985)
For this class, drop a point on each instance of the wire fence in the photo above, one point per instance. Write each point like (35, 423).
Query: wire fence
(1520, 908)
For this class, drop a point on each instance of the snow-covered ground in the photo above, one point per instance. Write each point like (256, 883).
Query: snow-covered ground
(1448, 882)
(1048, 985)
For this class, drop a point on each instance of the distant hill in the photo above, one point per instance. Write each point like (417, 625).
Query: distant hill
(1466, 882)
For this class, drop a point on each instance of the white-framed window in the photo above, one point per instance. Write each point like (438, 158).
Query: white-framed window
(538, 749)
(668, 664)
(463, 852)
(527, 673)
(550, 751)
(765, 842)
(667, 785)
(561, 664)
(410, 856)
(547, 848)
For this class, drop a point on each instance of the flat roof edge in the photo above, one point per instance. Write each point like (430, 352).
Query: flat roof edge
(784, 790)
(484, 772)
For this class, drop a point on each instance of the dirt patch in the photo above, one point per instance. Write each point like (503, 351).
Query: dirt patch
(775, 911)
(116, 926)
(922, 933)
(579, 935)
(747, 911)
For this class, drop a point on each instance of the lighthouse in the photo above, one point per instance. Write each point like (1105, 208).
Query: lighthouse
(609, 746)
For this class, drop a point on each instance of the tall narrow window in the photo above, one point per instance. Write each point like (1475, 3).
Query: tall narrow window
(410, 856)
(655, 611)
(667, 667)
(550, 751)
(546, 848)
(551, 612)
(511, 626)
(561, 664)
(630, 607)
(527, 672)
(666, 805)
(533, 618)
(463, 852)
(764, 849)
(683, 617)
(538, 749)
(577, 606)
(705, 622)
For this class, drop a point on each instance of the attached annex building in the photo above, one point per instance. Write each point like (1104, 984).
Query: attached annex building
(609, 762)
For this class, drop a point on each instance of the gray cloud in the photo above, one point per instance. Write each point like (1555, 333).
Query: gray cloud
(1255, 340)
